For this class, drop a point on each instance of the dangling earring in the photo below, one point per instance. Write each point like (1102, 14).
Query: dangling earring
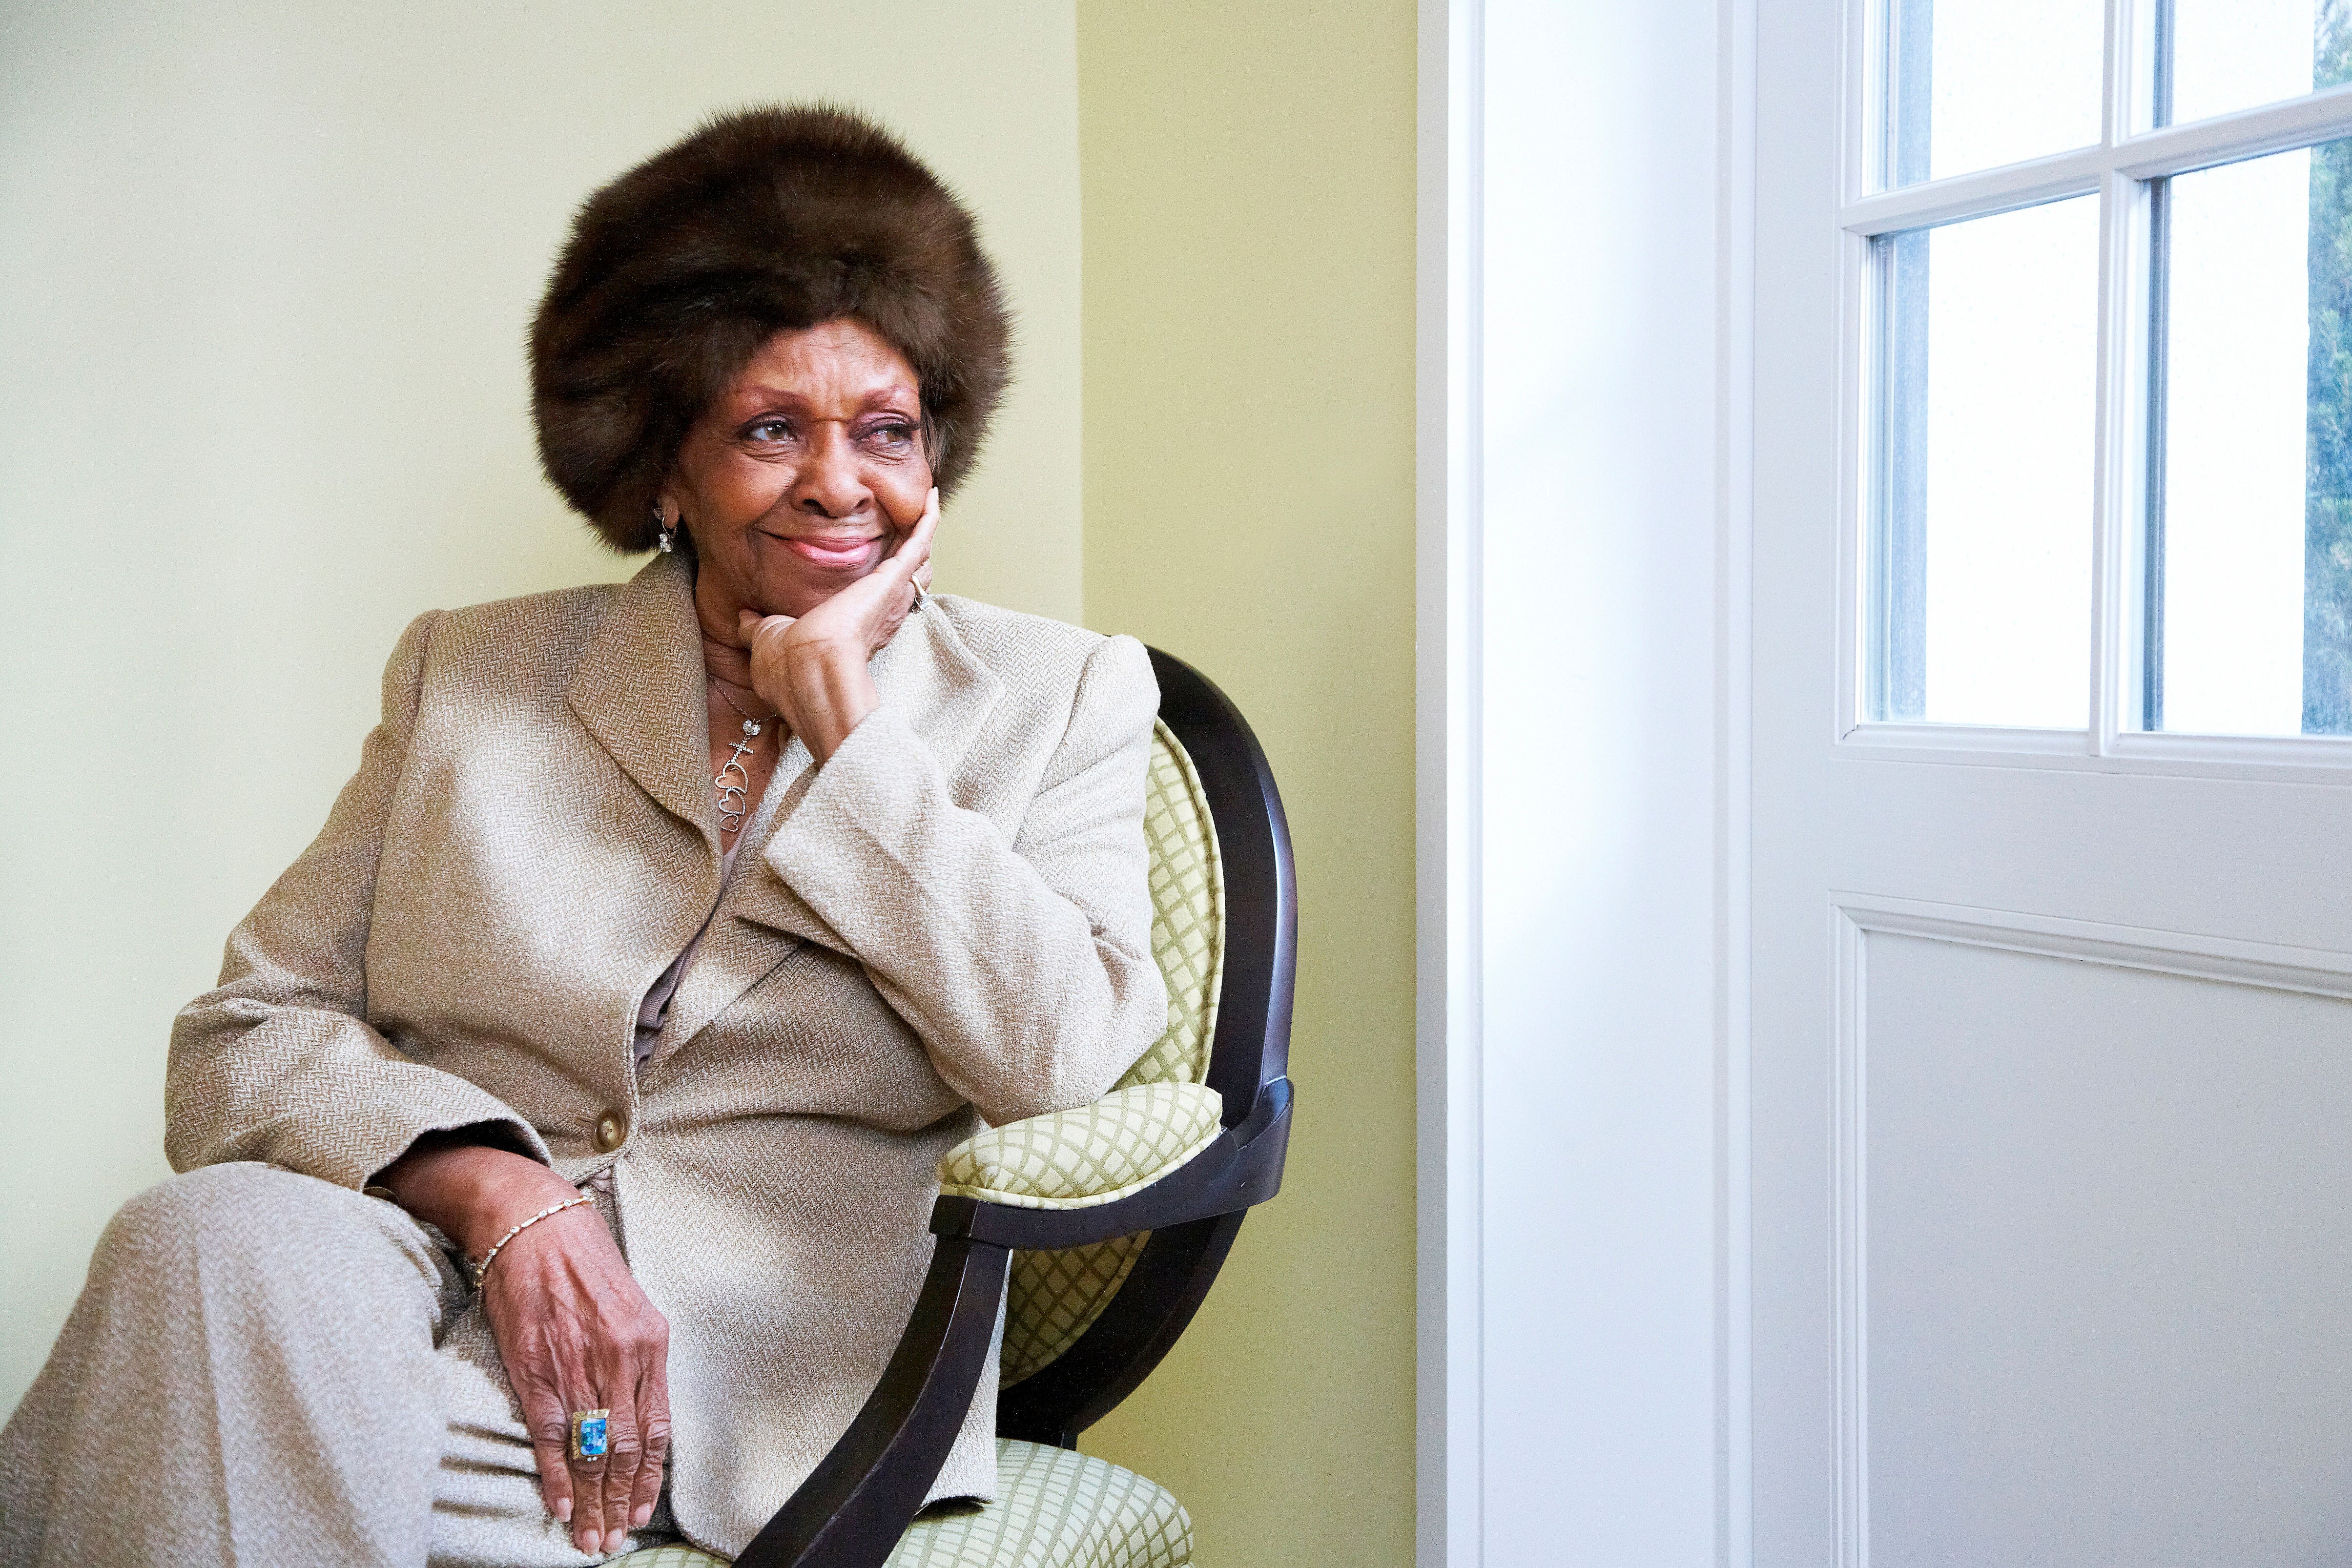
(662, 525)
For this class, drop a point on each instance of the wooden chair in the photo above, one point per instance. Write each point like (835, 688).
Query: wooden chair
(1108, 1223)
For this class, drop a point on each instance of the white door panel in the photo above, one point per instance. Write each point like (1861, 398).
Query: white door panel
(2052, 1127)
(2104, 1240)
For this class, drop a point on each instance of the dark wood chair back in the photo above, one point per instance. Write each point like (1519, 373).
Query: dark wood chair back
(1249, 1064)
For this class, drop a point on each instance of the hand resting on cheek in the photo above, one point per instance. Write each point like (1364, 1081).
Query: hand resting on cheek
(814, 668)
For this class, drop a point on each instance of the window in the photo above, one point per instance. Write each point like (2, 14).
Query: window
(1989, 398)
(2103, 253)
(1973, 84)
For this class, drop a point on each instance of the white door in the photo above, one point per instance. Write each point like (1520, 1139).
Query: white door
(2052, 1080)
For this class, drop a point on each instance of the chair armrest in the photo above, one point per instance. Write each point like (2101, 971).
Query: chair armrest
(858, 1502)
(1096, 1154)
(1236, 1168)
(852, 1508)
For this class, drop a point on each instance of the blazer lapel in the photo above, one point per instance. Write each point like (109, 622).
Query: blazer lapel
(946, 695)
(639, 688)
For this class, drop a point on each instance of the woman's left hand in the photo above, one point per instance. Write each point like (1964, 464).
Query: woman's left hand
(812, 670)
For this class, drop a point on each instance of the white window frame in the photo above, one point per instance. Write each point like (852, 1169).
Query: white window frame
(2118, 170)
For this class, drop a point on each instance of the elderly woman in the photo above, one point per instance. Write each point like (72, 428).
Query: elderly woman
(559, 1143)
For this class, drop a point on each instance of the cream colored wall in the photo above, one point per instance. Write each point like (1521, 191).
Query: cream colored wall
(267, 270)
(262, 399)
(1248, 173)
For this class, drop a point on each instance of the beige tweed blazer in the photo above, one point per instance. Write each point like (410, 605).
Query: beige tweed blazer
(948, 922)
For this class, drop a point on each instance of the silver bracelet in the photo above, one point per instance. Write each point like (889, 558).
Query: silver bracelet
(483, 1268)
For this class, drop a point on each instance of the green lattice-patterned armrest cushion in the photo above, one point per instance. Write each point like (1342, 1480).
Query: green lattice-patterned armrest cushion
(1094, 1154)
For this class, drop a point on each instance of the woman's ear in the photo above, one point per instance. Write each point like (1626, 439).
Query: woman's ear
(669, 517)
(670, 504)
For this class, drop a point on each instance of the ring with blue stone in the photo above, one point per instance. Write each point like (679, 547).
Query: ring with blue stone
(589, 1437)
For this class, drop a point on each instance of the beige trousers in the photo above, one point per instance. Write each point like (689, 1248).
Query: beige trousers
(266, 1369)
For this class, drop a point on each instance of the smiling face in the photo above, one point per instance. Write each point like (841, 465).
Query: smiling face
(804, 474)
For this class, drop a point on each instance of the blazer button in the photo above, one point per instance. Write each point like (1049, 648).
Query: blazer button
(608, 1131)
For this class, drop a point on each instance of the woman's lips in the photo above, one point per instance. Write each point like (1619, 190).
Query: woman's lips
(832, 552)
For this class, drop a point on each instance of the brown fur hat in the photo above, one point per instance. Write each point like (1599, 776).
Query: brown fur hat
(763, 220)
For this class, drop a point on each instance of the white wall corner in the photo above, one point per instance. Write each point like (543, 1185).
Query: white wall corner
(1447, 1373)
(1585, 296)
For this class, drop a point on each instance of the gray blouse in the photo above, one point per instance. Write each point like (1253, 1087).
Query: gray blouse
(654, 1011)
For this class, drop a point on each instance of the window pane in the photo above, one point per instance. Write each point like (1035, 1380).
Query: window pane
(1980, 572)
(1973, 83)
(2227, 54)
(2249, 591)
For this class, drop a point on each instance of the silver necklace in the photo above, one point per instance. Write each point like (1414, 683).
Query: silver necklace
(734, 784)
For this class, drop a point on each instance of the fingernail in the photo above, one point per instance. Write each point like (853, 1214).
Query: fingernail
(615, 1539)
(638, 1520)
(563, 1510)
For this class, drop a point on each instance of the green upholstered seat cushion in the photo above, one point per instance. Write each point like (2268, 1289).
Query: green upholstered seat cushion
(1094, 1154)
(1054, 1508)
(675, 1556)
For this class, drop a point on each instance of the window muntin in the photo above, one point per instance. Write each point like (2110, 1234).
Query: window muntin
(2203, 585)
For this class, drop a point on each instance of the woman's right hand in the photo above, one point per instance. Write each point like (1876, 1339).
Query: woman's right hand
(574, 1330)
(577, 1332)
(812, 670)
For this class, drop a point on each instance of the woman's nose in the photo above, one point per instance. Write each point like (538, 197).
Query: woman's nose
(829, 483)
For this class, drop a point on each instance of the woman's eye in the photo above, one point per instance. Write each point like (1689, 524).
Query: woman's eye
(769, 430)
(893, 435)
